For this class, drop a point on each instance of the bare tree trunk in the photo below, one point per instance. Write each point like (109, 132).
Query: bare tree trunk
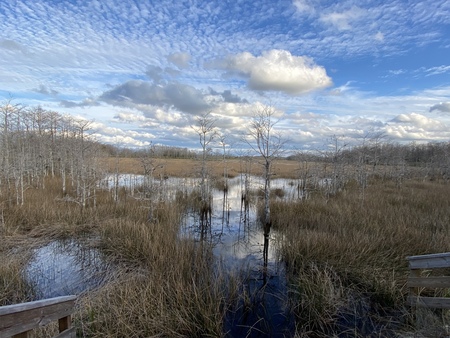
(205, 129)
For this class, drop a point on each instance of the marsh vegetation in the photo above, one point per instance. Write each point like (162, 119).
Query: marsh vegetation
(332, 264)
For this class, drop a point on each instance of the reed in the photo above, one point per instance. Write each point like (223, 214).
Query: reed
(344, 255)
(168, 286)
(14, 288)
(344, 247)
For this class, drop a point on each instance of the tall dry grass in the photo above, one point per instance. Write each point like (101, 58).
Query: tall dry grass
(168, 286)
(345, 259)
(14, 288)
(162, 285)
(345, 255)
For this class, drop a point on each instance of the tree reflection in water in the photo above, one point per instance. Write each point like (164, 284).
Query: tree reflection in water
(241, 245)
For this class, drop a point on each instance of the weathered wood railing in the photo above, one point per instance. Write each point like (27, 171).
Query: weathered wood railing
(417, 280)
(19, 320)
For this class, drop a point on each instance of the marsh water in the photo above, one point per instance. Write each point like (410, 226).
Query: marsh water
(66, 267)
(237, 239)
(238, 243)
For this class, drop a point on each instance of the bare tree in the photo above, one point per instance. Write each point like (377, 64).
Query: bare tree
(267, 143)
(206, 131)
(304, 170)
(334, 156)
(225, 204)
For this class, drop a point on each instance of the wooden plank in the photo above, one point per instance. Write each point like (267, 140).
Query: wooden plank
(429, 282)
(430, 302)
(32, 319)
(27, 334)
(440, 260)
(70, 333)
(24, 317)
(7, 309)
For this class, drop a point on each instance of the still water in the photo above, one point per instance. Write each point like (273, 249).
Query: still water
(72, 267)
(66, 267)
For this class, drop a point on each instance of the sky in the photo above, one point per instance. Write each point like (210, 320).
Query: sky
(145, 71)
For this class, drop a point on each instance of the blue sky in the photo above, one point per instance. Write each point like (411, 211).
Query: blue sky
(143, 71)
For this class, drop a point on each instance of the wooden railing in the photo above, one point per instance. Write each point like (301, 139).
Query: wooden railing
(417, 280)
(19, 320)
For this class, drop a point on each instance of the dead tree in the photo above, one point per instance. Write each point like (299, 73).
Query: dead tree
(265, 142)
(206, 131)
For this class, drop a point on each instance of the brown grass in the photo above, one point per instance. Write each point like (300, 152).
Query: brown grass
(163, 285)
(343, 254)
(343, 248)
(191, 167)
(168, 286)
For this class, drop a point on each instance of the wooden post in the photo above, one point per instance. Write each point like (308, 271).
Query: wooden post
(64, 323)
(414, 293)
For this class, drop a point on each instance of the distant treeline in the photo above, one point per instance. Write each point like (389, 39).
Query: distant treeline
(413, 154)
(35, 143)
(156, 150)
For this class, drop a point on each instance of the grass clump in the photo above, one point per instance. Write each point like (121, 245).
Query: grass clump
(14, 287)
(167, 286)
(345, 248)
(160, 284)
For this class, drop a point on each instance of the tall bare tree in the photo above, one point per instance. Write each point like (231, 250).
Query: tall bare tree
(206, 131)
(267, 143)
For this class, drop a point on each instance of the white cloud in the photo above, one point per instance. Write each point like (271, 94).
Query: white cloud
(180, 59)
(379, 37)
(123, 141)
(279, 70)
(303, 6)
(418, 120)
(438, 70)
(397, 71)
(418, 127)
(77, 52)
(342, 20)
(443, 107)
(128, 117)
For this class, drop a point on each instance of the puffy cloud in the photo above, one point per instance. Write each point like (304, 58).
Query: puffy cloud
(124, 141)
(180, 59)
(443, 107)
(417, 120)
(136, 92)
(416, 127)
(228, 96)
(227, 109)
(279, 70)
(157, 74)
(128, 117)
(118, 136)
